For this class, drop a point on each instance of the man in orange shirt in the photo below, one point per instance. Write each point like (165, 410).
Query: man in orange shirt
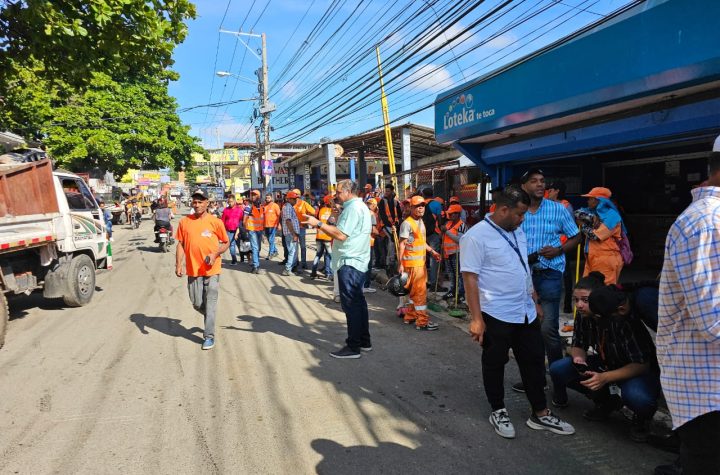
(255, 224)
(302, 208)
(201, 240)
(272, 223)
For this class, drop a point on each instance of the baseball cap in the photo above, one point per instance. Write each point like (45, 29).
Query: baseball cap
(454, 209)
(533, 171)
(255, 193)
(199, 192)
(454, 199)
(417, 201)
(598, 192)
(297, 192)
(291, 194)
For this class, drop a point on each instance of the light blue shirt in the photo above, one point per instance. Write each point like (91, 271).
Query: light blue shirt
(544, 228)
(354, 222)
(504, 283)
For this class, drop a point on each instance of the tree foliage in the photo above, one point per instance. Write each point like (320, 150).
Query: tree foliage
(74, 38)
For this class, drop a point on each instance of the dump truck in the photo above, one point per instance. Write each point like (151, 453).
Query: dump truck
(52, 235)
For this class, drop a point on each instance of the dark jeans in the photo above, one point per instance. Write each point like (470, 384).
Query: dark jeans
(380, 251)
(639, 393)
(452, 265)
(548, 284)
(352, 300)
(525, 339)
(699, 442)
(368, 274)
(569, 280)
(435, 242)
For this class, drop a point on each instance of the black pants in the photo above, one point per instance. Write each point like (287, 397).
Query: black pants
(699, 442)
(526, 341)
(380, 252)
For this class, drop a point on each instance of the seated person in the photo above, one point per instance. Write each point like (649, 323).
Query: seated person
(624, 357)
(162, 217)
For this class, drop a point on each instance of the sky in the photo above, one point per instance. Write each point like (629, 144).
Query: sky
(322, 63)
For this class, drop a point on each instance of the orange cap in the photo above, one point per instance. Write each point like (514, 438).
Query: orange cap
(417, 201)
(454, 199)
(291, 194)
(598, 192)
(255, 193)
(454, 209)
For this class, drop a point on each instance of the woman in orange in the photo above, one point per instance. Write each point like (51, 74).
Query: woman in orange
(603, 228)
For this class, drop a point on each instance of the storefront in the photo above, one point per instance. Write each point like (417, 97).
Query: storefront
(631, 103)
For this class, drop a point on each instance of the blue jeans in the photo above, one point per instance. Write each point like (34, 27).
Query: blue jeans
(303, 248)
(323, 249)
(233, 244)
(639, 393)
(352, 300)
(255, 244)
(548, 284)
(270, 235)
(292, 251)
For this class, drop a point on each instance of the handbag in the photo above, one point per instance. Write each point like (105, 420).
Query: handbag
(625, 250)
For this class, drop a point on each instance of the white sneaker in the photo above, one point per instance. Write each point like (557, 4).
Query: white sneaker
(500, 421)
(369, 290)
(550, 422)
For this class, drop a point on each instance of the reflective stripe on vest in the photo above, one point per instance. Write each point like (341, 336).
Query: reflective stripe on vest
(323, 216)
(450, 246)
(256, 220)
(414, 255)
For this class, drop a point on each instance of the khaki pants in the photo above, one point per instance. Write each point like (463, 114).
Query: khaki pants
(417, 285)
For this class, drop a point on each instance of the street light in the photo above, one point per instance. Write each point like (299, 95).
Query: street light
(224, 74)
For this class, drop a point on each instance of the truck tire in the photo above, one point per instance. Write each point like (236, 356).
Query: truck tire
(4, 317)
(81, 281)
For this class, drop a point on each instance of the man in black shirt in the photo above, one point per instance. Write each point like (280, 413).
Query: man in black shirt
(623, 362)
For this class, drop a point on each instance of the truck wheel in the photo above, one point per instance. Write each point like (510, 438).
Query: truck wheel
(81, 281)
(4, 317)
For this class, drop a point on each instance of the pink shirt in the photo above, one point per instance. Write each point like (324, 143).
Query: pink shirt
(231, 217)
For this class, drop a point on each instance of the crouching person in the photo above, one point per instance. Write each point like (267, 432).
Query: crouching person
(623, 369)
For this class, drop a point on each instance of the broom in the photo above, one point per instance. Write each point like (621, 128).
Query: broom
(455, 311)
(434, 306)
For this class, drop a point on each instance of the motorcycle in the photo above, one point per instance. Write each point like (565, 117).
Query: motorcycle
(163, 236)
(135, 217)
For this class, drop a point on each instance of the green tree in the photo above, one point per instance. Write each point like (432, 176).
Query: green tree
(75, 38)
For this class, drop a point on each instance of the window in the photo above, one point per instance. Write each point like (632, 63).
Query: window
(78, 196)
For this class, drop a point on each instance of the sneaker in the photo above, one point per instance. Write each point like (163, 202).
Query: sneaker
(501, 423)
(346, 353)
(285, 272)
(369, 290)
(313, 275)
(429, 327)
(550, 422)
(602, 412)
(208, 343)
(640, 430)
(255, 270)
(520, 388)
(559, 402)
(366, 348)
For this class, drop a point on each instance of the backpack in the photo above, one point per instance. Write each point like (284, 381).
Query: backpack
(625, 250)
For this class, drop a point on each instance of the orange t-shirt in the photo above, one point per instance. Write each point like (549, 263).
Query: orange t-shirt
(272, 215)
(301, 209)
(200, 237)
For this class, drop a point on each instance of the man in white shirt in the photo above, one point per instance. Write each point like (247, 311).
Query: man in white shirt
(502, 302)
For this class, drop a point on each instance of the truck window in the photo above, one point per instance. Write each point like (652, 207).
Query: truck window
(88, 197)
(77, 194)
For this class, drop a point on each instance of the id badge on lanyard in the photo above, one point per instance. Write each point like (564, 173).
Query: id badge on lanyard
(516, 247)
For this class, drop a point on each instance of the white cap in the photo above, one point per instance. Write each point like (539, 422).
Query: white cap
(716, 145)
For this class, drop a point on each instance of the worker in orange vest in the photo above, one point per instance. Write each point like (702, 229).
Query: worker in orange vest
(413, 251)
(453, 230)
(271, 212)
(302, 208)
(323, 241)
(254, 221)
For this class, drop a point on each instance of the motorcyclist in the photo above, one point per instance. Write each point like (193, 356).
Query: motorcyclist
(162, 217)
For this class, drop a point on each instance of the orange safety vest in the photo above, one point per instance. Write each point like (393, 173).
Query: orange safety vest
(450, 246)
(256, 219)
(414, 255)
(323, 216)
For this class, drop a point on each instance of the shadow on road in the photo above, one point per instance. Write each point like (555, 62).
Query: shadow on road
(168, 326)
(278, 326)
(284, 291)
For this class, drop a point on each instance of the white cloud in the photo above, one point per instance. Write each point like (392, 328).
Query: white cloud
(442, 41)
(429, 77)
(501, 41)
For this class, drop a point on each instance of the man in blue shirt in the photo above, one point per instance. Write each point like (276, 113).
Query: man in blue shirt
(545, 221)
(431, 218)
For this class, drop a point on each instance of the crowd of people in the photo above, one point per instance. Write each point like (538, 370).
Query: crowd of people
(510, 268)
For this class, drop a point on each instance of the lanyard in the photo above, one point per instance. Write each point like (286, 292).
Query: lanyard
(515, 247)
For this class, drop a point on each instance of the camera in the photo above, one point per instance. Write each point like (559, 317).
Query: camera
(584, 217)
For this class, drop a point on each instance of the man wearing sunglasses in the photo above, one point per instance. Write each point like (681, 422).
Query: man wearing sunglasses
(545, 222)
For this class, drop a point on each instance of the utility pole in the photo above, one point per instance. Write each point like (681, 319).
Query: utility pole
(265, 110)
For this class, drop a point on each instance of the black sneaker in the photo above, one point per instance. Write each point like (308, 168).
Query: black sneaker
(559, 402)
(313, 275)
(346, 353)
(431, 326)
(550, 422)
(520, 388)
(640, 430)
(602, 412)
(366, 348)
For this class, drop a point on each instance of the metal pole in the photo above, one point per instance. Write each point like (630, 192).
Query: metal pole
(266, 115)
(386, 120)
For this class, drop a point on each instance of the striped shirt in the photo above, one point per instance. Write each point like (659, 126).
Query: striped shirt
(544, 228)
(688, 335)
(288, 213)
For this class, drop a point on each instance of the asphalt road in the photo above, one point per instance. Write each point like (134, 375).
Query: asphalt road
(121, 386)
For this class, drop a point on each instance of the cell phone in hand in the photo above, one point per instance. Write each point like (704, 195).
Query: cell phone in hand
(581, 368)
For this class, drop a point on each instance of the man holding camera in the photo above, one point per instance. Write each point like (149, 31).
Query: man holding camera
(545, 221)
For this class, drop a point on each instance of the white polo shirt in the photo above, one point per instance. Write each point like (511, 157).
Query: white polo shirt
(505, 285)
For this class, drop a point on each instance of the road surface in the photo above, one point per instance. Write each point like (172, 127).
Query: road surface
(121, 386)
